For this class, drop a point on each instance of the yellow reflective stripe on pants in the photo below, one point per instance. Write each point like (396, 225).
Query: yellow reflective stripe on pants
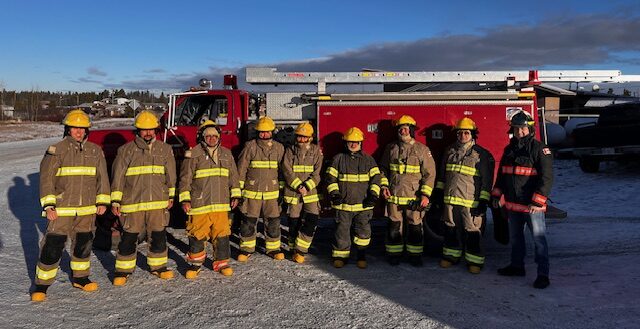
(74, 211)
(263, 164)
(426, 190)
(144, 206)
(414, 249)
(116, 195)
(201, 173)
(144, 170)
(80, 266)
(184, 196)
(157, 261)
(302, 169)
(474, 259)
(76, 171)
(46, 274)
(260, 195)
(332, 187)
(401, 200)
(340, 253)
(272, 245)
(103, 198)
(303, 244)
(466, 170)
(49, 199)
(125, 264)
(248, 244)
(332, 171)
(394, 248)
(217, 207)
(454, 200)
(353, 178)
(361, 242)
(404, 168)
(351, 207)
(455, 253)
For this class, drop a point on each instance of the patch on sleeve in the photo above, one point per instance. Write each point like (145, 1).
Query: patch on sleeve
(51, 150)
(546, 151)
(187, 154)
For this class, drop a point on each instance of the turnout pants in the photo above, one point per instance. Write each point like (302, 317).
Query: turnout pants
(302, 228)
(214, 227)
(462, 232)
(342, 236)
(153, 222)
(396, 240)
(251, 209)
(80, 229)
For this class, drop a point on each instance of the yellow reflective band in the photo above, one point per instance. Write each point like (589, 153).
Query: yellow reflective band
(46, 275)
(296, 182)
(466, 170)
(260, 195)
(144, 170)
(291, 199)
(340, 253)
(310, 198)
(236, 192)
(454, 200)
(374, 171)
(302, 169)
(144, 206)
(103, 198)
(351, 207)
(485, 195)
(216, 207)
(353, 178)
(156, 261)
(375, 188)
(332, 171)
(401, 200)
(426, 190)
(361, 242)
(184, 196)
(414, 249)
(221, 172)
(125, 264)
(310, 184)
(241, 184)
(384, 181)
(474, 259)
(332, 187)
(48, 200)
(394, 248)
(74, 211)
(455, 253)
(172, 192)
(116, 195)
(76, 171)
(248, 244)
(272, 245)
(440, 185)
(303, 244)
(80, 266)
(404, 168)
(263, 164)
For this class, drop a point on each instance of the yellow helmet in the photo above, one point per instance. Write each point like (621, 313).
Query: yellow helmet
(77, 118)
(207, 123)
(406, 120)
(266, 124)
(304, 129)
(146, 120)
(353, 134)
(465, 124)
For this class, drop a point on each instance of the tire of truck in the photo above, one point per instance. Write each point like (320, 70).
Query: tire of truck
(589, 165)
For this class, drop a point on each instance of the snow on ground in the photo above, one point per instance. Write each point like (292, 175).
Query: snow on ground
(594, 273)
(27, 130)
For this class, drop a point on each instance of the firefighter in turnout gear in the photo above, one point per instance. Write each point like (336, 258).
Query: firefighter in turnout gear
(301, 170)
(74, 187)
(524, 179)
(258, 170)
(410, 175)
(354, 181)
(465, 178)
(209, 189)
(143, 188)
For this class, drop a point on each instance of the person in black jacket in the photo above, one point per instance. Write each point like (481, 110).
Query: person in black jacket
(524, 179)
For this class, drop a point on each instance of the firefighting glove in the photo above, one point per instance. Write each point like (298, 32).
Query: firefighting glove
(336, 199)
(480, 210)
(370, 200)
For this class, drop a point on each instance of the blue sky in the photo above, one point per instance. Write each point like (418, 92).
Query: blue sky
(167, 45)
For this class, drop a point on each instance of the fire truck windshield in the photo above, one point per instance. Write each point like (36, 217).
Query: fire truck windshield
(195, 109)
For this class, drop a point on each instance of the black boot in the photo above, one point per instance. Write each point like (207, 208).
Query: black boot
(511, 271)
(415, 260)
(542, 281)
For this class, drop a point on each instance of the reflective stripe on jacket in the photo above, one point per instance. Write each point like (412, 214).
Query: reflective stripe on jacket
(258, 169)
(352, 176)
(301, 165)
(410, 171)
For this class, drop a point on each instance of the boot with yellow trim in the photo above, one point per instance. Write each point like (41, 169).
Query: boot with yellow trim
(39, 294)
(85, 284)
(298, 257)
(223, 267)
(276, 254)
(361, 259)
(244, 257)
(120, 278)
(163, 273)
(474, 269)
(193, 271)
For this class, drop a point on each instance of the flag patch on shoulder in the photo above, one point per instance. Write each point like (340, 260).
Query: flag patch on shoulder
(546, 151)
